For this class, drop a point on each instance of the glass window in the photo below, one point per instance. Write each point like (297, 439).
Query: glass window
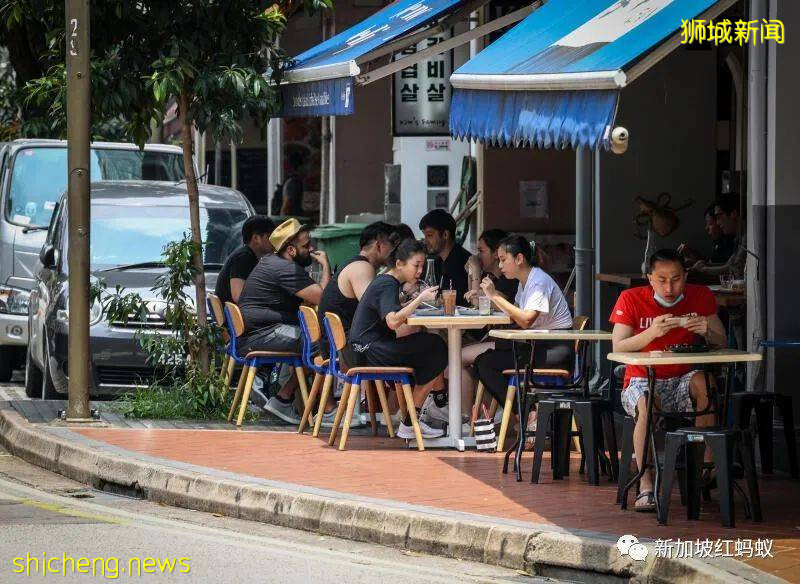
(39, 177)
(134, 234)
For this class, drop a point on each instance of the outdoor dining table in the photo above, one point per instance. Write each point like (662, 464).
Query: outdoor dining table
(653, 359)
(455, 327)
(531, 336)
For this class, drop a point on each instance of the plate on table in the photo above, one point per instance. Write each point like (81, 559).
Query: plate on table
(429, 312)
(464, 311)
(689, 348)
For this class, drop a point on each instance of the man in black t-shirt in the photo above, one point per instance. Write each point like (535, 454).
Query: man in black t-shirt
(439, 229)
(237, 267)
(272, 294)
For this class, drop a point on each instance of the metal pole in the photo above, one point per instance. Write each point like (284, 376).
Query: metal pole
(757, 194)
(583, 231)
(218, 163)
(325, 147)
(597, 321)
(78, 202)
(234, 166)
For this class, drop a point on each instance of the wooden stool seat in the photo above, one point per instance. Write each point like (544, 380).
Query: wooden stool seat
(252, 354)
(552, 373)
(513, 372)
(356, 370)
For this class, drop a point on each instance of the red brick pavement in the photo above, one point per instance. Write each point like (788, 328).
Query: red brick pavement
(464, 481)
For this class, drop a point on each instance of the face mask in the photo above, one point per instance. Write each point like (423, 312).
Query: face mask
(665, 303)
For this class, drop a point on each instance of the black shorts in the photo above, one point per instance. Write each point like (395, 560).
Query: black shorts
(425, 353)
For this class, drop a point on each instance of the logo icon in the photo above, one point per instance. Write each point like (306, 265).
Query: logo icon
(628, 545)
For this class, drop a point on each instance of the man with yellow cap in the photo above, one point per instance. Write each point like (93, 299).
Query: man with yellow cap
(271, 297)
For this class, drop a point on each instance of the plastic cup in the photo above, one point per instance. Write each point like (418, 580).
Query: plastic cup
(484, 305)
(449, 302)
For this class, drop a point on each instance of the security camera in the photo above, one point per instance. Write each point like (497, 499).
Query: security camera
(619, 140)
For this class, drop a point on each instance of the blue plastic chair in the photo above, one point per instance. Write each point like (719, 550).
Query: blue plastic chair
(253, 360)
(309, 323)
(217, 312)
(353, 379)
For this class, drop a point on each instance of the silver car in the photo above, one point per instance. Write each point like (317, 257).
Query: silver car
(131, 222)
(33, 175)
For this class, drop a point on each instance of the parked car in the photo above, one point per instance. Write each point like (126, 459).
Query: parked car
(33, 174)
(131, 221)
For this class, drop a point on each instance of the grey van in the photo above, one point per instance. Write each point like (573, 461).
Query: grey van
(131, 222)
(33, 176)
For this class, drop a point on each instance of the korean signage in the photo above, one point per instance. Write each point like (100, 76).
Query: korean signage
(421, 92)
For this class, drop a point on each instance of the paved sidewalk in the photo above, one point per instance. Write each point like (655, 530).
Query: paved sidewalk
(442, 502)
(468, 482)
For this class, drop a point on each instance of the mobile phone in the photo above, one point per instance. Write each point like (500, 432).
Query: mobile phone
(678, 320)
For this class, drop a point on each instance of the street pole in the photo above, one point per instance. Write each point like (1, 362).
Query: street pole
(78, 181)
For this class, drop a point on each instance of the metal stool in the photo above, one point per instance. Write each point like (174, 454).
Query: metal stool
(763, 402)
(722, 442)
(595, 424)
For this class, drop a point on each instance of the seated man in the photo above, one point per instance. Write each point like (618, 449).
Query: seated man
(237, 267)
(272, 295)
(727, 214)
(343, 292)
(649, 318)
(439, 229)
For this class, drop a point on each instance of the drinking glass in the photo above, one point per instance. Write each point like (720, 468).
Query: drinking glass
(484, 305)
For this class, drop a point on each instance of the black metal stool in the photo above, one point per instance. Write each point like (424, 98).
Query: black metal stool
(596, 427)
(722, 442)
(763, 403)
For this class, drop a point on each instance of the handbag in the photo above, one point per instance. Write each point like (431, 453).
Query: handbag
(485, 436)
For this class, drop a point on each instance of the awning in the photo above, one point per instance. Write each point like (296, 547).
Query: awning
(554, 79)
(320, 81)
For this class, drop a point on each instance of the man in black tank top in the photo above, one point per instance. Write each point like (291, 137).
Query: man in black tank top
(346, 287)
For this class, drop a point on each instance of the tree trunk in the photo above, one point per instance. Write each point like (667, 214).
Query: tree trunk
(194, 218)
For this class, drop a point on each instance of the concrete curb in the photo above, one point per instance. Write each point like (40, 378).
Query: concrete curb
(538, 551)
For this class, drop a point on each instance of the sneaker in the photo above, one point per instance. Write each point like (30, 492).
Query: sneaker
(258, 395)
(430, 412)
(407, 432)
(285, 412)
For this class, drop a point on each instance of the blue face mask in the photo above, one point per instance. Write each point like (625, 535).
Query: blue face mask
(665, 303)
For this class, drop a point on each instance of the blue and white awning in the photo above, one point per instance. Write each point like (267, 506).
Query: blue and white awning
(320, 80)
(554, 79)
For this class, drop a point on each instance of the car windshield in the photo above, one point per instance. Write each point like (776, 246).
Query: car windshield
(124, 235)
(39, 177)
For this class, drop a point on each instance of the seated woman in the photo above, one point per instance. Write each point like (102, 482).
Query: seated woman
(377, 333)
(485, 264)
(539, 304)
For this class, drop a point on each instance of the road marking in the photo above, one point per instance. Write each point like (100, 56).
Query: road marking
(256, 543)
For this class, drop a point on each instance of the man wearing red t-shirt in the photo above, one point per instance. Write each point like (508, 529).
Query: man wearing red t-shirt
(649, 318)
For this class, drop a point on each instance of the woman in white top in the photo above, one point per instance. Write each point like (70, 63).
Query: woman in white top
(539, 304)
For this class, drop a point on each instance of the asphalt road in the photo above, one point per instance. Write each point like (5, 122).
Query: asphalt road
(45, 516)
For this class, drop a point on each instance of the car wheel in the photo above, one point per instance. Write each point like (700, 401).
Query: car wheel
(48, 388)
(33, 377)
(6, 363)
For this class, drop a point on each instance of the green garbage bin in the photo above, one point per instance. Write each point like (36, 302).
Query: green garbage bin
(338, 240)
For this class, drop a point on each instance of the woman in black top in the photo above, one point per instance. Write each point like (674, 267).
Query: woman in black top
(378, 320)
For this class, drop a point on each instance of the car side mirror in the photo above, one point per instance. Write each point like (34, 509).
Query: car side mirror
(48, 256)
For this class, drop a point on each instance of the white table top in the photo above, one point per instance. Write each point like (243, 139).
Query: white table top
(562, 335)
(648, 358)
(457, 321)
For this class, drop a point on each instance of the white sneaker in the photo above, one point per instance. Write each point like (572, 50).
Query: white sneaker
(431, 412)
(407, 432)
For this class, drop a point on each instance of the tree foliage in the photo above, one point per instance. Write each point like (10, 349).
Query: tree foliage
(207, 56)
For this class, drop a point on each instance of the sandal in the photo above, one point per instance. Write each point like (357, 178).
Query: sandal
(648, 506)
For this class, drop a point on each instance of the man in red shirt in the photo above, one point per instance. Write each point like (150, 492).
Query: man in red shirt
(649, 318)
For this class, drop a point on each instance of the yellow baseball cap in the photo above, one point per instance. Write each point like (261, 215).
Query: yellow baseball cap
(284, 233)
